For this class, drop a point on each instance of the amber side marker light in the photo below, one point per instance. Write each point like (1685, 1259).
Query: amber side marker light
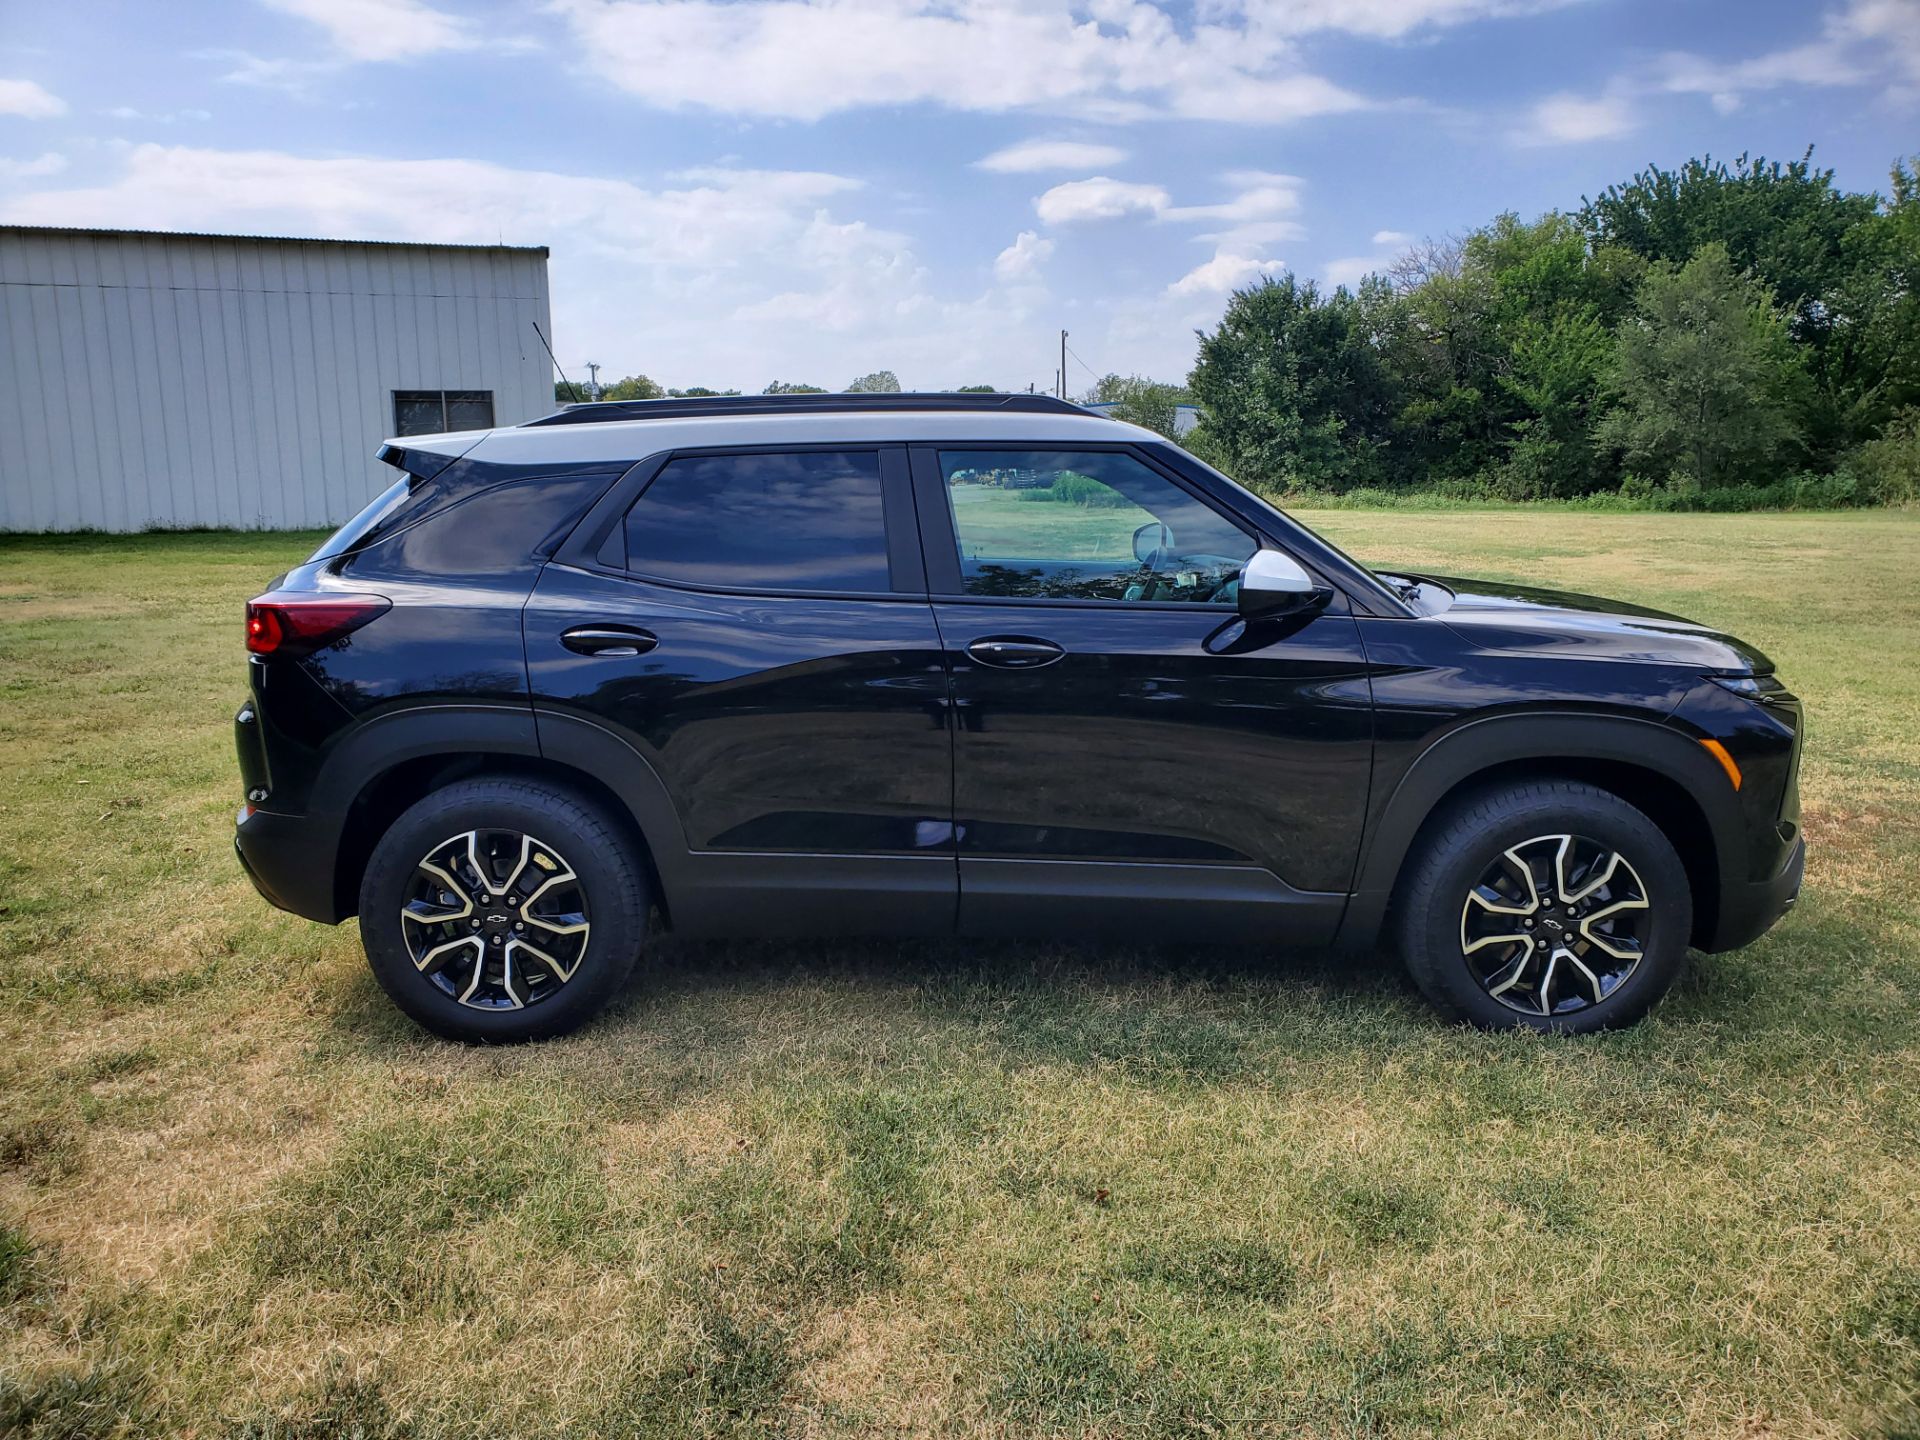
(1719, 752)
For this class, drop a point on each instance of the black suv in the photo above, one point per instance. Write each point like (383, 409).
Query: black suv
(986, 665)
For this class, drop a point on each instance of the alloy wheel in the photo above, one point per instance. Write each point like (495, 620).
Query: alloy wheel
(496, 919)
(1555, 924)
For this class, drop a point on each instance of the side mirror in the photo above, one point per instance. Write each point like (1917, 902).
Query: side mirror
(1273, 583)
(1150, 541)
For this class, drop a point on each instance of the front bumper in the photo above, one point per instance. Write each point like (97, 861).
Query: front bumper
(1749, 911)
(289, 863)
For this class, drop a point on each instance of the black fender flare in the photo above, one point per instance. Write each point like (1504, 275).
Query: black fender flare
(377, 745)
(564, 741)
(1479, 749)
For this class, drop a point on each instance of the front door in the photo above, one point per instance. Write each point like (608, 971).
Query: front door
(1127, 749)
(755, 628)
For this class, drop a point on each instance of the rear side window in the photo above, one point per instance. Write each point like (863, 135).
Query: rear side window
(811, 520)
(361, 525)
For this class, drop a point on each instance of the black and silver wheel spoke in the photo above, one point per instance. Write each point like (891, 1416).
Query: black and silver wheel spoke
(1554, 924)
(496, 919)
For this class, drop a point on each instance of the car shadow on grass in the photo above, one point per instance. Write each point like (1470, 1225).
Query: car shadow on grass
(1197, 1012)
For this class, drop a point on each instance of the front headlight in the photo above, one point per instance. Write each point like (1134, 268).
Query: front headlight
(1766, 689)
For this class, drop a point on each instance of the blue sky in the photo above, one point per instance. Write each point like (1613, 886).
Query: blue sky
(739, 191)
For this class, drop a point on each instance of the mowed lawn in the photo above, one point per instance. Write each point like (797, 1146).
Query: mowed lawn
(834, 1189)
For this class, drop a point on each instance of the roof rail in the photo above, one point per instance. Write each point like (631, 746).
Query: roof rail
(685, 407)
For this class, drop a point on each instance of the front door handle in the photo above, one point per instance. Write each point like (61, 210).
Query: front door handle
(612, 640)
(1014, 652)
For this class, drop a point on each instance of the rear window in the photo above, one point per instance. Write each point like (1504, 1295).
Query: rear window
(810, 520)
(361, 525)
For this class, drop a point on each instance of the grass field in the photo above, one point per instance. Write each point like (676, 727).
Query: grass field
(961, 1190)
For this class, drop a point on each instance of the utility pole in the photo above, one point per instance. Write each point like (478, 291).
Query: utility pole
(1063, 364)
(593, 379)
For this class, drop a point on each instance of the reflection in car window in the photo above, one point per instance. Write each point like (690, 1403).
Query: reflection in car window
(1086, 525)
(811, 520)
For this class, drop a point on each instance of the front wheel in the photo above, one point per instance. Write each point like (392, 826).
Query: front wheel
(502, 910)
(1547, 906)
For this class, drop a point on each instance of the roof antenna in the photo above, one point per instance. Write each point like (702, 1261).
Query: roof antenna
(577, 397)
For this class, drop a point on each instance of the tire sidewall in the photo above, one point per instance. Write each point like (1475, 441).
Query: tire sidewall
(1589, 815)
(614, 887)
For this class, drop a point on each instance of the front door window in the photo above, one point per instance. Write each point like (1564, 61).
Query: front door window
(1086, 525)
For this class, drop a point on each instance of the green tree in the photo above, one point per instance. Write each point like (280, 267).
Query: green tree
(698, 392)
(787, 387)
(1439, 340)
(1785, 223)
(879, 382)
(1551, 303)
(633, 387)
(1706, 375)
(1870, 368)
(978, 390)
(1139, 401)
(1292, 387)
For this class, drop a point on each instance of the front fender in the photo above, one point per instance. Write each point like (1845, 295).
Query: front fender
(1481, 750)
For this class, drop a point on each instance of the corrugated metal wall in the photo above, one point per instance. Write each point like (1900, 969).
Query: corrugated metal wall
(174, 380)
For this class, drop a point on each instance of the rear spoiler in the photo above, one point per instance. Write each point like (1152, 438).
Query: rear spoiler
(420, 465)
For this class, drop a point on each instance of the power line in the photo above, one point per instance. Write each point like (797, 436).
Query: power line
(1094, 374)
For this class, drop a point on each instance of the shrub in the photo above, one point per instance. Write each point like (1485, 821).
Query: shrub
(1888, 467)
(1072, 489)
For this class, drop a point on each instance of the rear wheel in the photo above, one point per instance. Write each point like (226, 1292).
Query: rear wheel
(503, 910)
(1549, 906)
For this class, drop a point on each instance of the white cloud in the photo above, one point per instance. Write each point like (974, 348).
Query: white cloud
(263, 72)
(1113, 60)
(383, 29)
(1391, 19)
(1028, 156)
(1022, 260)
(1223, 273)
(156, 117)
(1251, 212)
(1100, 198)
(1860, 43)
(24, 97)
(1350, 270)
(1571, 119)
(47, 164)
(1259, 196)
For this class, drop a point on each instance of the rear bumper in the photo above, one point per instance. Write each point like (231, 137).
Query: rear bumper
(1749, 911)
(288, 861)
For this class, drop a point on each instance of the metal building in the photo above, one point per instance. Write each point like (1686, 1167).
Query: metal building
(151, 379)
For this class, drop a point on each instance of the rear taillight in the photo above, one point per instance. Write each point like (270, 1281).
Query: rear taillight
(287, 625)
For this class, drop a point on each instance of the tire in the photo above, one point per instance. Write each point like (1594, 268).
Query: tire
(580, 903)
(1605, 964)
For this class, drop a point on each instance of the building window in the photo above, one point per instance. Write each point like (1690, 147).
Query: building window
(430, 412)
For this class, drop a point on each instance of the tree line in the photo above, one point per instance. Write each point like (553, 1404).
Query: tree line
(640, 387)
(1718, 335)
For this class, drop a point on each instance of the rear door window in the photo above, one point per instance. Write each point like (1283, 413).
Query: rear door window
(806, 520)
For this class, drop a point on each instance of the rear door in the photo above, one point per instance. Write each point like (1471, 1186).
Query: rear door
(1129, 755)
(753, 624)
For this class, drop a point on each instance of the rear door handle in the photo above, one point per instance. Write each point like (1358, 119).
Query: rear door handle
(1014, 652)
(610, 640)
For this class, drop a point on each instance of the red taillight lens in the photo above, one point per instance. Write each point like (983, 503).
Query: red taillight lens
(287, 625)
